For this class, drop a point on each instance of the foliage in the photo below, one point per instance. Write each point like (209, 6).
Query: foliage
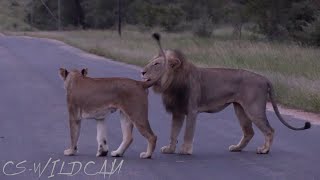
(203, 27)
(293, 69)
(289, 20)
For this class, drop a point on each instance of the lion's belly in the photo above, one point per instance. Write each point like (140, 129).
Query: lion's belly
(215, 99)
(212, 107)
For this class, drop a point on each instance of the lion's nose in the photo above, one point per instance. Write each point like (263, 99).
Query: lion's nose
(143, 72)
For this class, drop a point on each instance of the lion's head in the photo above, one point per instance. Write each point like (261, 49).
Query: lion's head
(161, 69)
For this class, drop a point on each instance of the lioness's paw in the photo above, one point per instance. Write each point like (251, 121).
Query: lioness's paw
(69, 152)
(145, 155)
(262, 150)
(102, 153)
(168, 149)
(116, 154)
(234, 148)
(186, 149)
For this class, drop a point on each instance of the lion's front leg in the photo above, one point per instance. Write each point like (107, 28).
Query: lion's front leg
(176, 124)
(187, 146)
(75, 126)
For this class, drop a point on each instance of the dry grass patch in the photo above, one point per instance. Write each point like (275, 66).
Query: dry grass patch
(293, 69)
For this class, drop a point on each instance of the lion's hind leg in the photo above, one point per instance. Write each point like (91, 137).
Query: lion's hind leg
(126, 127)
(268, 133)
(246, 126)
(257, 114)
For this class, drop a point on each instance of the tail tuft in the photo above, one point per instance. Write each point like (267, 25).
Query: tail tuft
(156, 36)
(307, 125)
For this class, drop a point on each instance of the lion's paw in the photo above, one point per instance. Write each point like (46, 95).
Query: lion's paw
(116, 154)
(186, 149)
(69, 152)
(145, 155)
(168, 149)
(234, 148)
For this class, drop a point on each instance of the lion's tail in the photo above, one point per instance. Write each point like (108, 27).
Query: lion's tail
(307, 125)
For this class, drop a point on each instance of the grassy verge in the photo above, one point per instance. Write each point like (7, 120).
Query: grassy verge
(293, 69)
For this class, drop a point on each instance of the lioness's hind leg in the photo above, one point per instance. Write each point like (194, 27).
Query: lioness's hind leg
(260, 120)
(246, 126)
(145, 130)
(126, 127)
(101, 138)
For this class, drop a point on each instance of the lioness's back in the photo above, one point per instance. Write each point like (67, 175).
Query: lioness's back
(107, 89)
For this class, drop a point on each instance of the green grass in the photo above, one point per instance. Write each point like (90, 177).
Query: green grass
(294, 70)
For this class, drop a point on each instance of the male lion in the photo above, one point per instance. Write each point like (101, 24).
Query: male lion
(95, 98)
(188, 90)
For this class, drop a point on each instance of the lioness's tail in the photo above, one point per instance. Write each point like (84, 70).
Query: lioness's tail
(147, 84)
(307, 125)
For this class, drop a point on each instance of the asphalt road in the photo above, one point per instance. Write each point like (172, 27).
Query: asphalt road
(34, 129)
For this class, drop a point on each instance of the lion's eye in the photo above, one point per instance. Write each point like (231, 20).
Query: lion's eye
(156, 63)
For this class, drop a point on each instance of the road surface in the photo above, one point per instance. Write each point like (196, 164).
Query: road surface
(34, 129)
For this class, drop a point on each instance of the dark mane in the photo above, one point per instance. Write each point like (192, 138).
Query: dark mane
(176, 96)
(179, 55)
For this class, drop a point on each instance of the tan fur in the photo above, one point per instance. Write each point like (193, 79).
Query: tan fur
(95, 98)
(188, 90)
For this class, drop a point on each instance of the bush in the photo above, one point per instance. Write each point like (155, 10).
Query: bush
(312, 33)
(203, 27)
(100, 14)
(148, 15)
(170, 17)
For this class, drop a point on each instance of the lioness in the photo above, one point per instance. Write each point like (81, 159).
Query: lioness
(188, 90)
(95, 98)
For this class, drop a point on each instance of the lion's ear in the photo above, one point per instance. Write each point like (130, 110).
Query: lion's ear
(84, 72)
(63, 73)
(174, 63)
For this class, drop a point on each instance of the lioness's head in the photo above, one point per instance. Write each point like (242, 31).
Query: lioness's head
(68, 76)
(161, 67)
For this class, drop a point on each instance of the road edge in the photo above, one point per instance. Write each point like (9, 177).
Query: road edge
(314, 118)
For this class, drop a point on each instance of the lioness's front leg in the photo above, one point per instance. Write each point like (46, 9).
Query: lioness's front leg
(101, 138)
(176, 124)
(187, 146)
(75, 125)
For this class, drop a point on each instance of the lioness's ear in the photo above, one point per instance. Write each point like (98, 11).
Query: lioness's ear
(174, 62)
(84, 72)
(63, 73)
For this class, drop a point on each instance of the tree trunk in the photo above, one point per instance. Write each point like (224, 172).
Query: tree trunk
(79, 14)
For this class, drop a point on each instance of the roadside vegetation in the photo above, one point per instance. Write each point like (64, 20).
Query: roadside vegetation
(12, 15)
(279, 39)
(293, 69)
